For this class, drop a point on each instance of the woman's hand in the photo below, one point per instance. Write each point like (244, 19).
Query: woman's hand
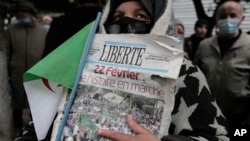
(141, 134)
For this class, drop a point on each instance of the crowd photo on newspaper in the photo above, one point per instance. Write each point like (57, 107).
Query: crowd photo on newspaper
(102, 108)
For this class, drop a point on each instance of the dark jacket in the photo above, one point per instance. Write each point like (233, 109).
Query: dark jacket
(228, 76)
(63, 27)
(26, 46)
(191, 45)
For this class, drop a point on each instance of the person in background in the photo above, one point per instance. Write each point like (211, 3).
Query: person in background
(191, 43)
(26, 39)
(224, 59)
(205, 121)
(46, 21)
(180, 30)
(65, 26)
(5, 108)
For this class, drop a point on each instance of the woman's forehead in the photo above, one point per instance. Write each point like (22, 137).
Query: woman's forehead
(129, 5)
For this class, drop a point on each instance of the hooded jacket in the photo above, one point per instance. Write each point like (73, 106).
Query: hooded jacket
(196, 115)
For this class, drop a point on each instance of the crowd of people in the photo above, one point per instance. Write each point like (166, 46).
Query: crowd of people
(212, 91)
(92, 102)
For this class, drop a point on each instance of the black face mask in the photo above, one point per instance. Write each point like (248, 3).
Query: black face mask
(128, 25)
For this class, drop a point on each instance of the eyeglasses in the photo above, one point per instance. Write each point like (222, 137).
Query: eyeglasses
(139, 27)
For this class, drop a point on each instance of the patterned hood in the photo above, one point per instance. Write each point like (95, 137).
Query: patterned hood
(161, 10)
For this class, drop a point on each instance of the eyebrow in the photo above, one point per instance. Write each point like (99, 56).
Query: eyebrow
(136, 10)
(119, 12)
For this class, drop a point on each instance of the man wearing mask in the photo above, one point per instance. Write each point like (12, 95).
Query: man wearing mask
(26, 44)
(191, 43)
(224, 59)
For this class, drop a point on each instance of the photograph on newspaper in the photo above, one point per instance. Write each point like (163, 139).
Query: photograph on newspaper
(122, 77)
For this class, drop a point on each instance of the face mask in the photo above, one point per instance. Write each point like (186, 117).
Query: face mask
(128, 25)
(46, 26)
(228, 26)
(180, 38)
(23, 20)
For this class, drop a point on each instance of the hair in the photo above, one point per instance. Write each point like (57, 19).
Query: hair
(178, 22)
(201, 22)
(27, 6)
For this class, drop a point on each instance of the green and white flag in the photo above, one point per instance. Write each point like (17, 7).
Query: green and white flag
(44, 82)
(85, 121)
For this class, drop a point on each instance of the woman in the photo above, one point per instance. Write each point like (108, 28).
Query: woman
(179, 29)
(196, 115)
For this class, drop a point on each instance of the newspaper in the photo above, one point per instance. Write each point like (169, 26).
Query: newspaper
(124, 74)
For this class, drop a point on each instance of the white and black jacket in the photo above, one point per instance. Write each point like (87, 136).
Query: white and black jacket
(196, 115)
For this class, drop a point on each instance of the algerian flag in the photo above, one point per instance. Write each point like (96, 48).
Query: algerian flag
(44, 82)
(85, 121)
(105, 111)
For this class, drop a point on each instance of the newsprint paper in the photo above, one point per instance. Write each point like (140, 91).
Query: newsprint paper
(124, 74)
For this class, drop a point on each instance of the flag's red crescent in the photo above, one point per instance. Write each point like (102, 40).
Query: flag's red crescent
(46, 83)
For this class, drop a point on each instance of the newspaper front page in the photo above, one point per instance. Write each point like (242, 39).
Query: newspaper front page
(124, 74)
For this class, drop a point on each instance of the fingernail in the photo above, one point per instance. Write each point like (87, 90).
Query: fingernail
(99, 131)
(130, 117)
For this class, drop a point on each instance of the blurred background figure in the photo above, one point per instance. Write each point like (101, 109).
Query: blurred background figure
(65, 26)
(180, 30)
(46, 21)
(180, 33)
(5, 108)
(191, 43)
(26, 40)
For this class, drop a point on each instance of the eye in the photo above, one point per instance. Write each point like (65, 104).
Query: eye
(117, 16)
(180, 32)
(142, 15)
(222, 16)
(233, 15)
